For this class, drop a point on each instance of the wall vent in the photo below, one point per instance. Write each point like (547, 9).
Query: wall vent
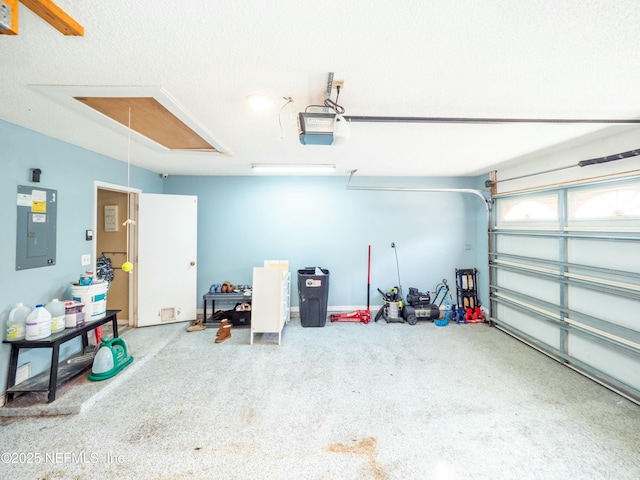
(168, 314)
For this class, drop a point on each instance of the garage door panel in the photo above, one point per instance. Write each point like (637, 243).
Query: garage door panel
(541, 330)
(621, 256)
(540, 288)
(606, 279)
(568, 281)
(543, 248)
(616, 363)
(610, 308)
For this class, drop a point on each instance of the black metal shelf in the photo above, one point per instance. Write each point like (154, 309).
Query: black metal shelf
(58, 374)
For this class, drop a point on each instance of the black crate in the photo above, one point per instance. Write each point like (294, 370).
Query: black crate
(240, 319)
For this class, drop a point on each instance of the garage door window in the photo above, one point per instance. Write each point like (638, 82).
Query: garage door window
(606, 204)
(528, 209)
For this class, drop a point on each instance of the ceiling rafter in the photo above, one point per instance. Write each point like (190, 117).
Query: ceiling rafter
(49, 12)
(13, 29)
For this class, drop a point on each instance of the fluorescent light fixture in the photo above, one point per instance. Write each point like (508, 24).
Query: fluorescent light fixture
(260, 102)
(292, 168)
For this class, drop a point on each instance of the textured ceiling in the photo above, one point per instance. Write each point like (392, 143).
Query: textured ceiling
(422, 58)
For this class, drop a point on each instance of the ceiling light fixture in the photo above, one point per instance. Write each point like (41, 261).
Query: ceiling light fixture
(259, 102)
(293, 168)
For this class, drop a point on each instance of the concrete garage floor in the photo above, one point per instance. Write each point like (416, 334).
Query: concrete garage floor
(347, 401)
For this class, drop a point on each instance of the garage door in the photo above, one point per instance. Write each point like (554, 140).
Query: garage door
(565, 276)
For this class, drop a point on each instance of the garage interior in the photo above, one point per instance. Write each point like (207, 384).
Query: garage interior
(493, 136)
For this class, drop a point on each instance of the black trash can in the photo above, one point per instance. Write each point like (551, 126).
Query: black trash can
(313, 293)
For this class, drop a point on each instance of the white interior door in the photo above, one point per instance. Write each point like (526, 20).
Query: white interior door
(167, 250)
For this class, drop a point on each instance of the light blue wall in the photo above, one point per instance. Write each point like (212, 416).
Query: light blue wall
(309, 221)
(71, 171)
(316, 221)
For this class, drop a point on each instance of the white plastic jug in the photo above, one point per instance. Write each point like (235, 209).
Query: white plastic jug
(17, 322)
(38, 324)
(56, 309)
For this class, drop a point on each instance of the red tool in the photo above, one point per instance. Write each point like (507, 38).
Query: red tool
(363, 316)
(474, 315)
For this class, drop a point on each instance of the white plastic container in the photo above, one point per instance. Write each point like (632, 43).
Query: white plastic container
(38, 324)
(94, 298)
(74, 316)
(56, 309)
(17, 322)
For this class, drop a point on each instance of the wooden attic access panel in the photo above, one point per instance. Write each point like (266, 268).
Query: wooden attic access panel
(150, 119)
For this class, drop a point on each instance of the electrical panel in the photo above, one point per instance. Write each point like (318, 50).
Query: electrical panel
(36, 227)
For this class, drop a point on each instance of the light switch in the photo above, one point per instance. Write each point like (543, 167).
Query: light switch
(86, 259)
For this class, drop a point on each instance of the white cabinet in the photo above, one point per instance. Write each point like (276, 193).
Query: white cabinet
(271, 300)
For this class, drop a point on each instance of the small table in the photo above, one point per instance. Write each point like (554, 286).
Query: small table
(226, 297)
(57, 374)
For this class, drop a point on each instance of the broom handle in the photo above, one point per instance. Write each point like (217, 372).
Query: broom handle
(369, 278)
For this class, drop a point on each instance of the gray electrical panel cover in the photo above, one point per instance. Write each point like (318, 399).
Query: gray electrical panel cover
(36, 237)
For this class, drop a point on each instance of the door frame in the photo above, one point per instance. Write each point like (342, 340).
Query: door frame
(133, 239)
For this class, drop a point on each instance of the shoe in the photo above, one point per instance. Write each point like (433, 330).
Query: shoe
(225, 334)
(223, 323)
(196, 326)
(228, 287)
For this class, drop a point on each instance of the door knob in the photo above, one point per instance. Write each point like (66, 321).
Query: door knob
(193, 264)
